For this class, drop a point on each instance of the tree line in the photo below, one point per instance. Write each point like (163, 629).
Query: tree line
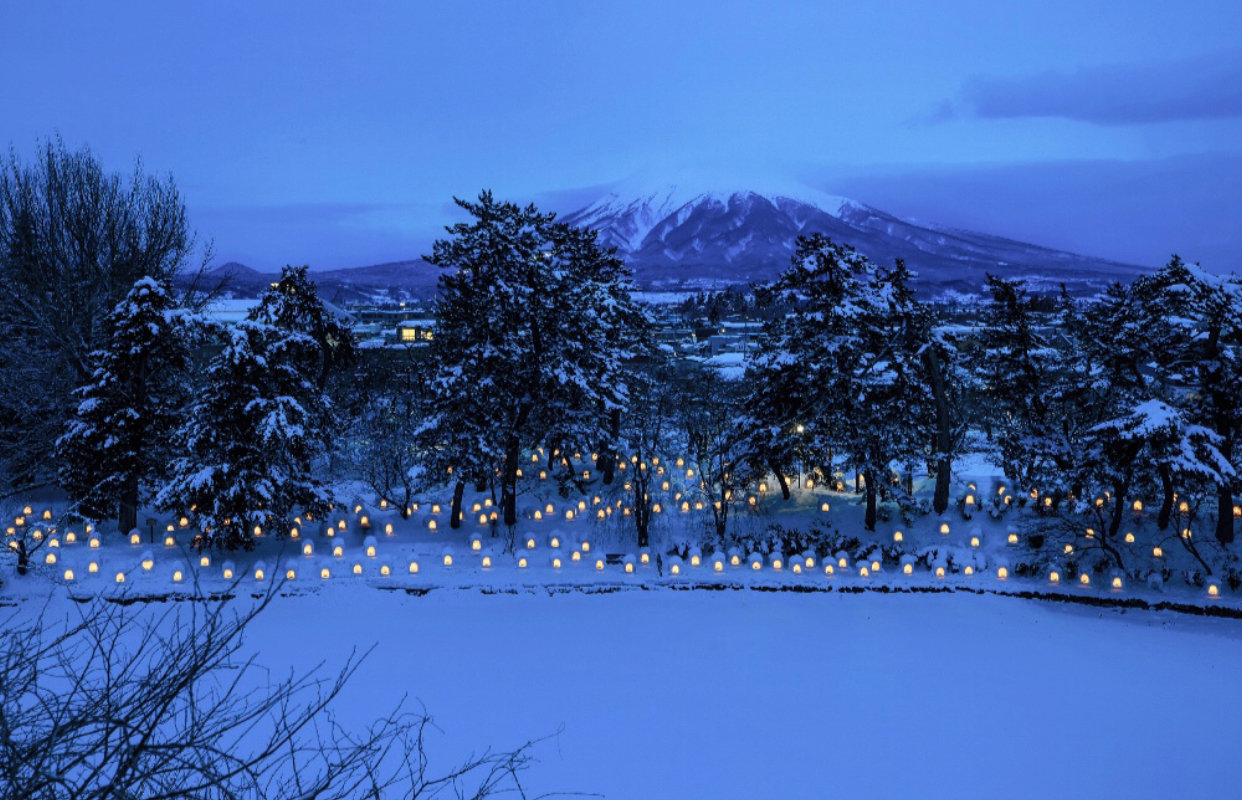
(125, 395)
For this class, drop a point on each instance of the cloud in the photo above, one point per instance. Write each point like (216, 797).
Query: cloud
(1204, 87)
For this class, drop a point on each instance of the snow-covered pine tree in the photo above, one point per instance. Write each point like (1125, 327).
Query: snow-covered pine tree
(526, 348)
(788, 413)
(118, 442)
(1205, 313)
(293, 304)
(1018, 371)
(251, 440)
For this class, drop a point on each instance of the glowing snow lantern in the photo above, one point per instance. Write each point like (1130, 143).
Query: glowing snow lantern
(944, 527)
(808, 561)
(148, 561)
(1213, 590)
(338, 551)
(777, 562)
(369, 544)
(644, 556)
(260, 569)
(120, 577)
(1157, 552)
(476, 542)
(970, 499)
(135, 539)
(1183, 507)
(629, 564)
(1069, 549)
(1117, 583)
(1136, 506)
(828, 568)
(487, 562)
(176, 576)
(204, 561)
(228, 570)
(543, 474)
(340, 525)
(47, 513)
(476, 508)
(898, 536)
(1084, 579)
(448, 558)
(735, 559)
(968, 571)
(1186, 534)
(258, 530)
(1012, 538)
(538, 515)
(94, 542)
(600, 514)
(569, 515)
(521, 562)
(974, 541)
(842, 561)
(70, 537)
(674, 566)
(413, 567)
(556, 562)
(1002, 573)
(907, 565)
(170, 541)
(308, 548)
(435, 508)
(1090, 533)
(388, 529)
(756, 561)
(939, 572)
(875, 565)
(1237, 512)
(599, 564)
(1129, 538)
(575, 556)
(718, 562)
(554, 542)
(291, 574)
(50, 558)
(1047, 502)
(695, 558)
(325, 573)
(796, 567)
(431, 524)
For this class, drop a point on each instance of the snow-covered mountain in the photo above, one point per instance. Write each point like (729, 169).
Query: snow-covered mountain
(690, 233)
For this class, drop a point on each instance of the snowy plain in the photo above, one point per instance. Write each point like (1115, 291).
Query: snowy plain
(678, 693)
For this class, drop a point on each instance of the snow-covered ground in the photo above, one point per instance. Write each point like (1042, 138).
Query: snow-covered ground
(741, 694)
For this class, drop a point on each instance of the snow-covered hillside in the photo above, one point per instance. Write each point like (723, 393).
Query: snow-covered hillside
(694, 229)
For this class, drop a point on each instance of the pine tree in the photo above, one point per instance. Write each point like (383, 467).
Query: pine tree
(119, 440)
(293, 304)
(251, 440)
(526, 348)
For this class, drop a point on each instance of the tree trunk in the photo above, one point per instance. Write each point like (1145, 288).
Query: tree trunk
(869, 521)
(780, 478)
(1119, 509)
(508, 492)
(127, 519)
(1166, 506)
(459, 489)
(1224, 515)
(609, 454)
(944, 440)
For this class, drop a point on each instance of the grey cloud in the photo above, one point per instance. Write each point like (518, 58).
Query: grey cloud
(1201, 87)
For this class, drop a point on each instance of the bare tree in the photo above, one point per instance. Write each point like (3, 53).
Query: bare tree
(126, 702)
(73, 240)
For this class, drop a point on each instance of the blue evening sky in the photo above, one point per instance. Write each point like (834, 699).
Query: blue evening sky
(335, 133)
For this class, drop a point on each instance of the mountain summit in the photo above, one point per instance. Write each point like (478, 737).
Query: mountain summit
(689, 233)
